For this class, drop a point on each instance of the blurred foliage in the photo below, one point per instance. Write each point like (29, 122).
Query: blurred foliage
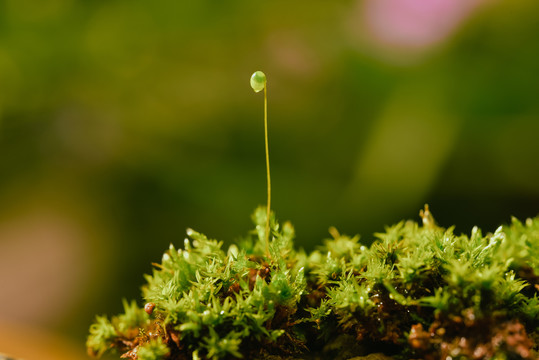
(134, 120)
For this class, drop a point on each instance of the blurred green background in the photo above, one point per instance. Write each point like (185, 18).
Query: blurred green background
(122, 123)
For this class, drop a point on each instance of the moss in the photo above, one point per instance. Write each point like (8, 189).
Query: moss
(419, 291)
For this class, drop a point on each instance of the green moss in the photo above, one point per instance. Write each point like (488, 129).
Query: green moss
(419, 291)
(154, 349)
(102, 336)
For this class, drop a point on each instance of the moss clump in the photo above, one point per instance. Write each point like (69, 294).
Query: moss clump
(208, 303)
(419, 291)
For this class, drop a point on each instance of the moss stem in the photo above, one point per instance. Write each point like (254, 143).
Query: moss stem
(268, 211)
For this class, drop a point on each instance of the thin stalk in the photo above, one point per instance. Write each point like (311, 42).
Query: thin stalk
(267, 170)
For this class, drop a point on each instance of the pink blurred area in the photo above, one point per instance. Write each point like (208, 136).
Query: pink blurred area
(413, 25)
(47, 250)
(43, 266)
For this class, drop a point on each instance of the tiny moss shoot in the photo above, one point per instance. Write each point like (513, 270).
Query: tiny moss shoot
(259, 83)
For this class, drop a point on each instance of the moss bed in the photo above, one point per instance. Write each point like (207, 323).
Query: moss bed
(419, 291)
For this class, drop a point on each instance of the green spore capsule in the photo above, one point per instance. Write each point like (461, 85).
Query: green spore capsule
(258, 81)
